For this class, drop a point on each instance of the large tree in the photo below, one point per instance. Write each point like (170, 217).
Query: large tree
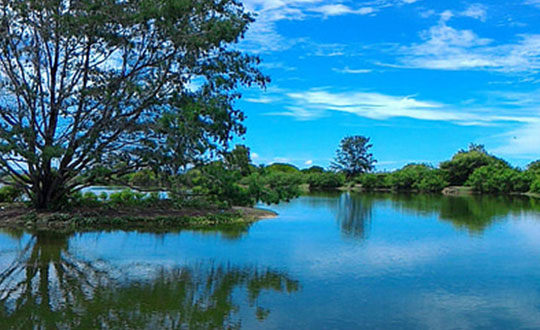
(353, 156)
(96, 88)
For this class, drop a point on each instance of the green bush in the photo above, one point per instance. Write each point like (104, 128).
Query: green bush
(464, 163)
(417, 177)
(10, 194)
(283, 168)
(127, 197)
(498, 179)
(535, 185)
(325, 180)
(372, 181)
(432, 181)
(313, 169)
(273, 188)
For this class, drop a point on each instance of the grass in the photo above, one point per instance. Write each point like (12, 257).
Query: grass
(132, 218)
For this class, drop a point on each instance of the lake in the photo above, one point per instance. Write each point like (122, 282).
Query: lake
(328, 261)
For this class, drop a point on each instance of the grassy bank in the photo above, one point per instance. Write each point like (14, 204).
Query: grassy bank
(128, 218)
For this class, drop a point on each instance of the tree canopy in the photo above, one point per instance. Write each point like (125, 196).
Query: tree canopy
(353, 156)
(465, 162)
(97, 88)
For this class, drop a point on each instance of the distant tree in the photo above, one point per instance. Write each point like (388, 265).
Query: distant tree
(280, 167)
(353, 156)
(313, 169)
(534, 166)
(95, 89)
(465, 162)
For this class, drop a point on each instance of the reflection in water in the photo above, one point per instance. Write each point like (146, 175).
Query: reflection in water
(354, 214)
(48, 287)
(352, 211)
(474, 213)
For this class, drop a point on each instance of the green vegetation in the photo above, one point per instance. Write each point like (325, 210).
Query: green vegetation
(353, 156)
(464, 163)
(118, 96)
(474, 168)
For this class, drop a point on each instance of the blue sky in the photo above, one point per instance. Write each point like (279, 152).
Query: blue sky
(421, 78)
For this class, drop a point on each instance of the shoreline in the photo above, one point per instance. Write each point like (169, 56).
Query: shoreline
(142, 219)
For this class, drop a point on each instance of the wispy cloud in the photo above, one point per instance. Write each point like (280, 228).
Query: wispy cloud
(263, 35)
(340, 9)
(317, 103)
(448, 48)
(352, 71)
(476, 11)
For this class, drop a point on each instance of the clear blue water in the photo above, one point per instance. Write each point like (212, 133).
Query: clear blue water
(329, 261)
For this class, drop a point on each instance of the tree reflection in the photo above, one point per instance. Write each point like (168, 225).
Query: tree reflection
(354, 214)
(473, 213)
(48, 287)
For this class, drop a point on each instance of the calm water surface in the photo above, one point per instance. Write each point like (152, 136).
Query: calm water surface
(329, 261)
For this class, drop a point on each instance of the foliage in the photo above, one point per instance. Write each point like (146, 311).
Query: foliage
(534, 166)
(535, 185)
(87, 97)
(464, 163)
(232, 181)
(274, 187)
(325, 180)
(353, 156)
(372, 181)
(313, 169)
(10, 194)
(419, 177)
(280, 167)
(499, 179)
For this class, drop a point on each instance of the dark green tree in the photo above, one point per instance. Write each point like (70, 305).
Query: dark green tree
(98, 88)
(465, 162)
(353, 156)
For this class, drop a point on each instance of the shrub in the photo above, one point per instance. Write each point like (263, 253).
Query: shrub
(325, 180)
(431, 181)
(283, 168)
(313, 169)
(497, 179)
(464, 163)
(535, 185)
(372, 181)
(417, 177)
(127, 197)
(10, 194)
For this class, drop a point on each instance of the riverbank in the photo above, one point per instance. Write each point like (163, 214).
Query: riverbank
(128, 218)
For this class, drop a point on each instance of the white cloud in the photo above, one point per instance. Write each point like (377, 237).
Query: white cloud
(447, 48)
(340, 9)
(476, 11)
(308, 162)
(317, 103)
(263, 35)
(533, 2)
(351, 71)
(254, 156)
(262, 100)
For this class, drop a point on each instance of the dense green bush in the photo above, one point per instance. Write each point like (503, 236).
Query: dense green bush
(498, 179)
(431, 181)
(10, 194)
(373, 181)
(535, 185)
(327, 180)
(127, 197)
(313, 169)
(272, 188)
(284, 168)
(464, 163)
(417, 177)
